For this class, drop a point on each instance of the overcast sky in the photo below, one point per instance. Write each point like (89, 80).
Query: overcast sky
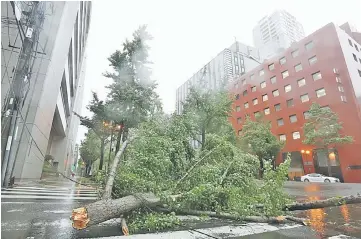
(188, 34)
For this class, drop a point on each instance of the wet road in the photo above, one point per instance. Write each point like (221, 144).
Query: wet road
(43, 210)
(345, 219)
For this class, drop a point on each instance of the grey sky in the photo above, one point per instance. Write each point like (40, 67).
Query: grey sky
(187, 34)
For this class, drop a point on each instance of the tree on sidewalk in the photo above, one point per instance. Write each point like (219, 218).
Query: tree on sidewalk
(89, 150)
(98, 123)
(257, 138)
(322, 130)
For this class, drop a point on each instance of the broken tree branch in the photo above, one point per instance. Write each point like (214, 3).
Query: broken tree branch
(335, 201)
(258, 219)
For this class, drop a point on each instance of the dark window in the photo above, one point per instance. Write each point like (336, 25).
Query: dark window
(354, 57)
(237, 97)
(245, 93)
(350, 42)
(290, 103)
(356, 47)
(293, 118)
(359, 73)
(280, 122)
(277, 107)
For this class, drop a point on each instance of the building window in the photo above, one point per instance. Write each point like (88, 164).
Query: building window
(288, 88)
(293, 118)
(320, 92)
(255, 101)
(265, 97)
(301, 82)
(356, 47)
(298, 67)
(237, 69)
(294, 53)
(316, 76)
(312, 60)
(271, 66)
(359, 59)
(238, 108)
(280, 122)
(246, 105)
(290, 103)
(350, 42)
(252, 77)
(245, 93)
(253, 88)
(261, 72)
(309, 45)
(304, 98)
(283, 61)
(257, 114)
(306, 115)
(340, 88)
(354, 57)
(296, 135)
(359, 73)
(285, 74)
(237, 97)
(263, 84)
(273, 80)
(239, 120)
(282, 137)
(277, 107)
(267, 111)
(343, 98)
(275, 93)
(338, 79)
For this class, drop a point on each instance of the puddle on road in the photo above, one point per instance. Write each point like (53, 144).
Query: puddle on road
(345, 218)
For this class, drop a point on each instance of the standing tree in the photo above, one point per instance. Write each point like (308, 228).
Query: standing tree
(207, 112)
(90, 150)
(322, 129)
(258, 139)
(132, 98)
(99, 123)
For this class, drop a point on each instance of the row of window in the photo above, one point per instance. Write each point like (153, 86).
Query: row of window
(304, 98)
(283, 61)
(301, 82)
(282, 137)
(355, 58)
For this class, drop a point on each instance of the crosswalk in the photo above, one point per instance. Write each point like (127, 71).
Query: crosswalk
(48, 193)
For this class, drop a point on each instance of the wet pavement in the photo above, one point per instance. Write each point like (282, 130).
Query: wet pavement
(42, 210)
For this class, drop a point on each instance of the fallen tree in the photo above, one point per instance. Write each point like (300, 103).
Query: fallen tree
(335, 201)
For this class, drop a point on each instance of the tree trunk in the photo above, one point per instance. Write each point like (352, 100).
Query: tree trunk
(109, 186)
(336, 201)
(102, 147)
(104, 210)
(258, 219)
(203, 137)
(119, 137)
(261, 168)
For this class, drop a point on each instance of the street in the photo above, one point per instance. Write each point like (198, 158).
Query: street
(42, 210)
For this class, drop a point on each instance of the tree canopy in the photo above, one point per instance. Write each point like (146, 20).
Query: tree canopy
(322, 128)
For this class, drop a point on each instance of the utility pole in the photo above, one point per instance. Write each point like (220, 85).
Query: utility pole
(20, 79)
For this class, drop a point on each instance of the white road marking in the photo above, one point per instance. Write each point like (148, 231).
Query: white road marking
(47, 197)
(48, 193)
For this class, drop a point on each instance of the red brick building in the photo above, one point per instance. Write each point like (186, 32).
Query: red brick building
(324, 67)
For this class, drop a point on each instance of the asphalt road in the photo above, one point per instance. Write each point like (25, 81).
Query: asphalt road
(43, 210)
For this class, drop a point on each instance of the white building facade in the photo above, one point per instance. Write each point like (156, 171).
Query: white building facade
(276, 32)
(231, 62)
(55, 87)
